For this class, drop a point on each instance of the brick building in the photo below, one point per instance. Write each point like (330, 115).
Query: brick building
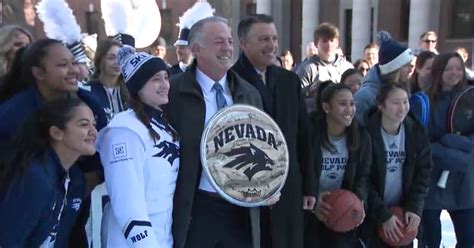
(358, 20)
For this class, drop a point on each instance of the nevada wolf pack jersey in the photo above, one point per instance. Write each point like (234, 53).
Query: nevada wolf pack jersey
(140, 177)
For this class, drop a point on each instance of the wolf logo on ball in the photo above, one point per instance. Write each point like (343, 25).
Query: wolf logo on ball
(244, 155)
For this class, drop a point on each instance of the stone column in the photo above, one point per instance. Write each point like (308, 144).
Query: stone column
(310, 22)
(264, 7)
(419, 21)
(360, 28)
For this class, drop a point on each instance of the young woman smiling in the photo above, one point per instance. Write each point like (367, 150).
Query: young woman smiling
(140, 154)
(48, 72)
(400, 168)
(336, 136)
(451, 152)
(40, 188)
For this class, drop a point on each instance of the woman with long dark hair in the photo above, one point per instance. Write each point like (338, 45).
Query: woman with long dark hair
(48, 71)
(401, 166)
(106, 84)
(352, 78)
(140, 154)
(419, 84)
(420, 80)
(452, 152)
(40, 189)
(336, 136)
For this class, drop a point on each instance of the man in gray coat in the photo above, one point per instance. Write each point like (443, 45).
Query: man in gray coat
(201, 218)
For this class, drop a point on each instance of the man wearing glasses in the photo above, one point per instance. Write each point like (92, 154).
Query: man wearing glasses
(428, 41)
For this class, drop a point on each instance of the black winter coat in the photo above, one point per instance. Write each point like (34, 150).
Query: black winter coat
(284, 102)
(357, 172)
(356, 180)
(186, 111)
(415, 177)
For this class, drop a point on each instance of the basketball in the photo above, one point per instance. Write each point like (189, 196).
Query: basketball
(346, 210)
(407, 237)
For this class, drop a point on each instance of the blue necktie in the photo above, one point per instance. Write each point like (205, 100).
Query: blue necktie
(220, 99)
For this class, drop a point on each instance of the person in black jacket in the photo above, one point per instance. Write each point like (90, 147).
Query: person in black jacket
(401, 166)
(41, 190)
(343, 153)
(283, 101)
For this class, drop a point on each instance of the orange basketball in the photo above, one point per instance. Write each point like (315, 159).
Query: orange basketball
(407, 237)
(346, 210)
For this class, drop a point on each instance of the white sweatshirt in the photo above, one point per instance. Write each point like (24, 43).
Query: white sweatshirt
(140, 177)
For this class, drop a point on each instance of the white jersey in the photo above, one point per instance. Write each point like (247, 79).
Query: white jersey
(140, 177)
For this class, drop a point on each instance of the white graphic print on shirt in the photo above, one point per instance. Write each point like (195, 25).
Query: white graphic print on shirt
(333, 164)
(394, 160)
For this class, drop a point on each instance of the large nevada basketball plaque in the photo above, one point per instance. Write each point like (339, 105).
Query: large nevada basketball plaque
(244, 155)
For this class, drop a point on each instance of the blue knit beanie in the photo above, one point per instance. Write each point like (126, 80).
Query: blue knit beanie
(392, 55)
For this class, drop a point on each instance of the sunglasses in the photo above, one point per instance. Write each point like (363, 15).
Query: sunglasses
(429, 41)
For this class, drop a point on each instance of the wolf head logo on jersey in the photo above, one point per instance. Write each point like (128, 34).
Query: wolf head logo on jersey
(168, 150)
(255, 159)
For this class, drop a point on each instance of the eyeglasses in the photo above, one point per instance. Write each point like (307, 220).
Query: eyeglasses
(429, 41)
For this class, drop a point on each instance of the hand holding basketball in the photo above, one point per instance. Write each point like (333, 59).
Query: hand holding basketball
(322, 209)
(392, 228)
(413, 221)
(342, 210)
(401, 229)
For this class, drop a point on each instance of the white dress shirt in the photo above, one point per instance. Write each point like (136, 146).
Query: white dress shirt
(209, 94)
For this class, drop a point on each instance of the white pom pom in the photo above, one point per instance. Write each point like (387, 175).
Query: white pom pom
(124, 54)
(116, 16)
(197, 12)
(383, 36)
(59, 21)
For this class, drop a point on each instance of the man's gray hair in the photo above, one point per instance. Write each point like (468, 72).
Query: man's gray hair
(195, 34)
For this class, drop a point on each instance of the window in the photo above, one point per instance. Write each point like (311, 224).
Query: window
(463, 19)
(404, 20)
(348, 36)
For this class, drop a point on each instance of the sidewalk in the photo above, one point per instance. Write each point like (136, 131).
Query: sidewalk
(449, 238)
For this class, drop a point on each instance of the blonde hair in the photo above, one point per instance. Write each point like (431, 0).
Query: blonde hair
(427, 33)
(7, 34)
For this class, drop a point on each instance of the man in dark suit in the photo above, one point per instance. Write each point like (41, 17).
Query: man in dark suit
(201, 218)
(282, 225)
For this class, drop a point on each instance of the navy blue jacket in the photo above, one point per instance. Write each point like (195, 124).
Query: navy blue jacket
(97, 89)
(450, 152)
(20, 106)
(31, 205)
